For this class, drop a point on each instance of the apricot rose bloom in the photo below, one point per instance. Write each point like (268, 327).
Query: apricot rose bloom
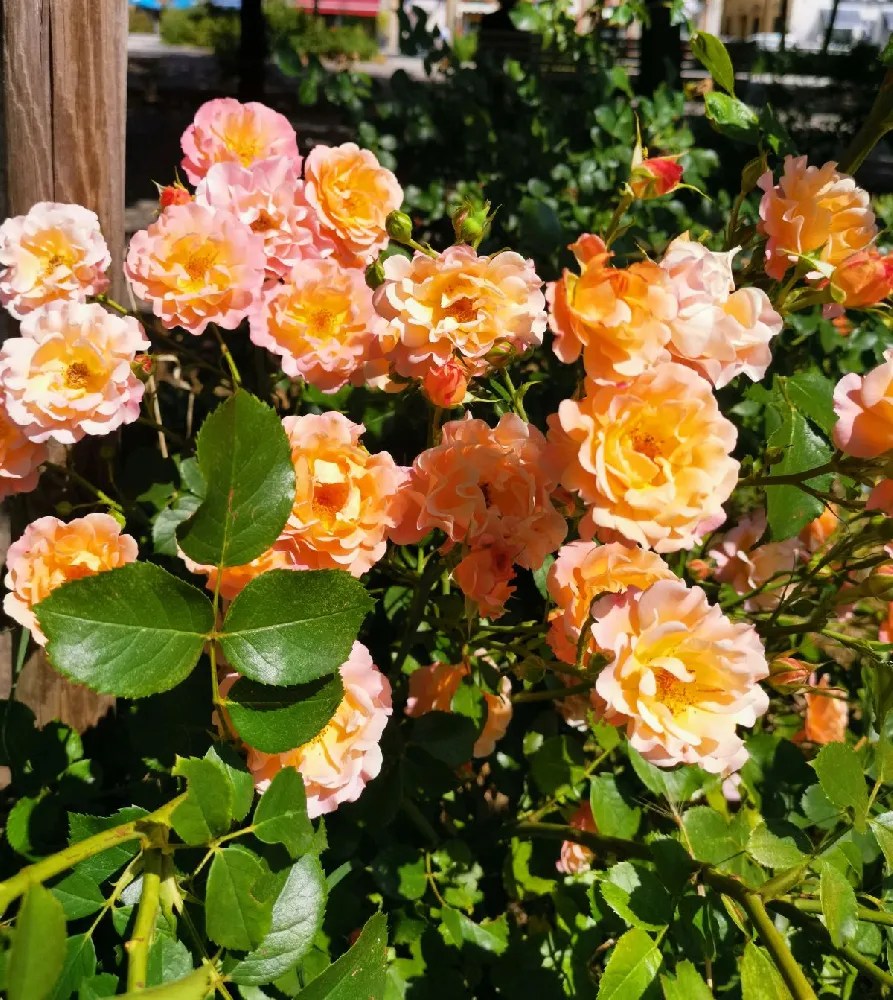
(864, 408)
(485, 574)
(51, 552)
(861, 280)
(432, 689)
(617, 317)
(235, 578)
(744, 565)
(485, 487)
(196, 266)
(812, 211)
(651, 459)
(69, 373)
(20, 458)
(717, 331)
(583, 571)
(458, 303)
(340, 761)
(820, 529)
(227, 131)
(321, 323)
(683, 675)
(268, 198)
(55, 252)
(352, 195)
(345, 499)
(576, 858)
(826, 714)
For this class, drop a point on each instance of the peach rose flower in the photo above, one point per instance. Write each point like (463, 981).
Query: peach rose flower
(812, 211)
(337, 764)
(432, 689)
(864, 408)
(651, 459)
(458, 304)
(227, 131)
(445, 386)
(236, 578)
(321, 323)
(576, 858)
(54, 252)
(51, 552)
(826, 714)
(197, 265)
(818, 531)
(352, 194)
(863, 279)
(744, 565)
(885, 631)
(69, 373)
(268, 198)
(486, 487)
(584, 571)
(345, 499)
(485, 574)
(617, 317)
(881, 497)
(717, 331)
(20, 458)
(683, 675)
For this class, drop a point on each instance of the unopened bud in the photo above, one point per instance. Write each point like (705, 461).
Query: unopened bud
(173, 194)
(446, 385)
(501, 354)
(773, 456)
(788, 675)
(471, 222)
(699, 569)
(64, 508)
(655, 177)
(143, 365)
(878, 585)
(752, 172)
(399, 227)
(375, 274)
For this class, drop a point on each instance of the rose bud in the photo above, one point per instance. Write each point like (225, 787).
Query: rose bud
(699, 569)
(446, 385)
(788, 675)
(399, 226)
(863, 279)
(655, 177)
(173, 194)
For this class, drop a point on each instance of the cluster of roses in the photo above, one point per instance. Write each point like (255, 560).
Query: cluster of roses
(643, 448)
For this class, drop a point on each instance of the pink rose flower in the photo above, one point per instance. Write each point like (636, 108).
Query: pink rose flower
(337, 764)
(69, 373)
(576, 858)
(55, 252)
(20, 458)
(864, 408)
(226, 131)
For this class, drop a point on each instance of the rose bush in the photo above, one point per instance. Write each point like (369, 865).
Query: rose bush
(472, 634)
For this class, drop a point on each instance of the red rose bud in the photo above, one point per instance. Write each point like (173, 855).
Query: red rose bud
(699, 569)
(655, 177)
(173, 194)
(788, 675)
(446, 386)
(142, 366)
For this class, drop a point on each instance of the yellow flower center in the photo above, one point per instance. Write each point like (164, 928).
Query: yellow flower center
(246, 146)
(198, 263)
(673, 692)
(328, 499)
(263, 223)
(462, 310)
(646, 444)
(77, 375)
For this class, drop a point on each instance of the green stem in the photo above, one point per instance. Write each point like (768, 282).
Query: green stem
(776, 945)
(619, 212)
(144, 926)
(430, 576)
(81, 481)
(227, 356)
(517, 401)
(864, 913)
(550, 693)
(47, 868)
(793, 479)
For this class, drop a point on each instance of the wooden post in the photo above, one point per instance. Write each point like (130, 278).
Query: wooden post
(64, 68)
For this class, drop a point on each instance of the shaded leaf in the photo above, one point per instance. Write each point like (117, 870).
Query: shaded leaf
(714, 57)
(38, 949)
(789, 508)
(360, 974)
(280, 816)
(838, 904)
(446, 736)
(613, 817)
(637, 896)
(686, 984)
(237, 775)
(206, 812)
(236, 913)
(759, 978)
(631, 969)
(840, 775)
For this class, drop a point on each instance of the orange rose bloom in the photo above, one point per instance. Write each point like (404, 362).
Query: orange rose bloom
(826, 715)
(814, 211)
(651, 458)
(235, 578)
(51, 552)
(618, 317)
(863, 279)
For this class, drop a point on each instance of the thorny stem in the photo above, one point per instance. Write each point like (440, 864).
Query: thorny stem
(515, 396)
(792, 479)
(619, 212)
(144, 926)
(549, 694)
(863, 913)
(55, 864)
(227, 356)
(417, 609)
(776, 945)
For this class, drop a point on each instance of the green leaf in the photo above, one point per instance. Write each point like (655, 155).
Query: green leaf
(491, 936)
(102, 866)
(709, 835)
(788, 508)
(714, 57)
(631, 969)
(558, 763)
(732, 117)
(237, 775)
(297, 918)
(813, 395)
(360, 974)
(164, 527)
(446, 736)
(38, 949)
(79, 895)
(840, 775)
(776, 848)
(838, 904)
(759, 978)
(245, 459)
(637, 896)
(882, 828)
(132, 631)
(687, 984)
(281, 814)
(195, 986)
(276, 719)
(237, 915)
(79, 964)
(207, 811)
(678, 785)
(399, 870)
(169, 960)
(98, 987)
(291, 627)
(613, 817)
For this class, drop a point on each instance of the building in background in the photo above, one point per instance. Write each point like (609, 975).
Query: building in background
(855, 21)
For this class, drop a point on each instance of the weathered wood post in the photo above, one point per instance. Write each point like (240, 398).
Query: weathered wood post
(64, 65)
